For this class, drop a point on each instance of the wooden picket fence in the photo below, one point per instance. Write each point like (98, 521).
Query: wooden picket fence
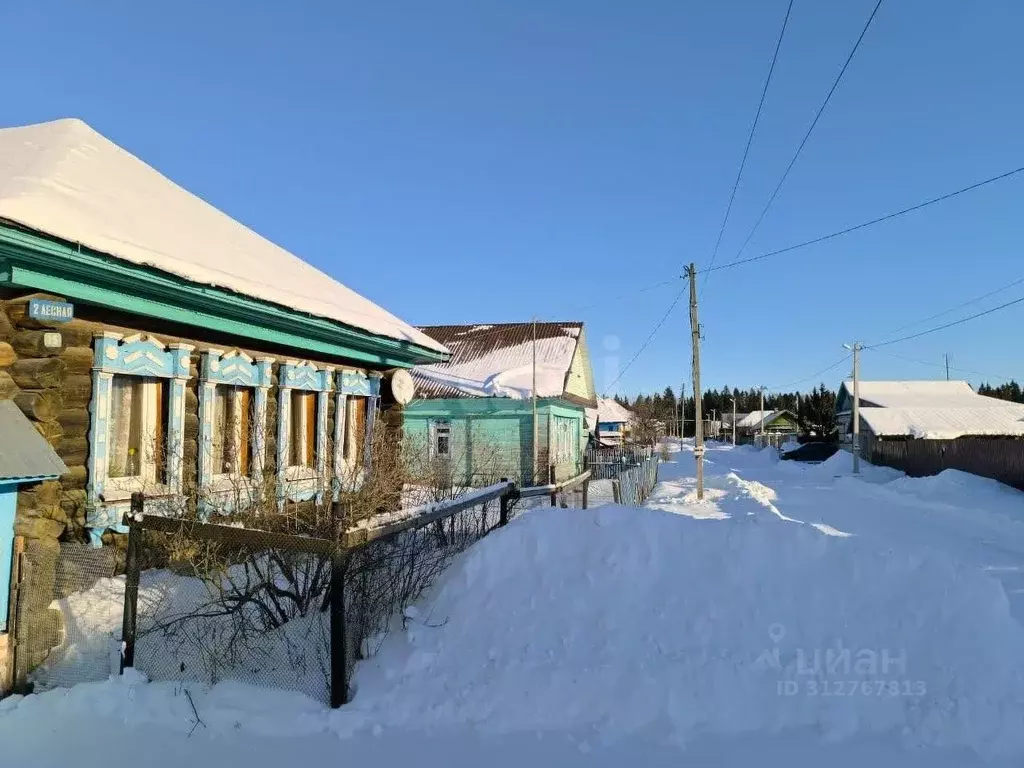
(634, 485)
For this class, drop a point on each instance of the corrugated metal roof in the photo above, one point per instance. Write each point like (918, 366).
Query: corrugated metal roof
(497, 360)
(23, 451)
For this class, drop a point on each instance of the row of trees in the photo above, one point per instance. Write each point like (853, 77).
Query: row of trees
(1009, 391)
(815, 410)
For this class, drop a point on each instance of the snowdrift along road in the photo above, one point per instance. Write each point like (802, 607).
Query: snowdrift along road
(630, 621)
(795, 609)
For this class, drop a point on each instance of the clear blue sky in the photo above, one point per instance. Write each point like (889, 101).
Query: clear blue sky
(471, 162)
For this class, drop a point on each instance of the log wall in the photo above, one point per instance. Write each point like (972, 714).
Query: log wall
(52, 385)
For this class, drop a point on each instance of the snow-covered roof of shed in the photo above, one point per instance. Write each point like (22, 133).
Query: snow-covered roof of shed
(920, 394)
(497, 360)
(945, 423)
(753, 419)
(65, 180)
(608, 411)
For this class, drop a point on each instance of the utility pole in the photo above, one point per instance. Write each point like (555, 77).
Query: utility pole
(762, 415)
(856, 348)
(856, 408)
(947, 365)
(698, 434)
(734, 422)
(682, 409)
(536, 436)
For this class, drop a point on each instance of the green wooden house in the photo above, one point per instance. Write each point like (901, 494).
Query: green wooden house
(473, 416)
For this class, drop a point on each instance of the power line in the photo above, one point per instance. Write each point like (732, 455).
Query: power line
(871, 222)
(647, 341)
(750, 140)
(814, 375)
(946, 325)
(840, 233)
(628, 294)
(938, 365)
(807, 135)
(967, 303)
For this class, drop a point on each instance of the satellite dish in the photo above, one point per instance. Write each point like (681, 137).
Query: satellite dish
(402, 386)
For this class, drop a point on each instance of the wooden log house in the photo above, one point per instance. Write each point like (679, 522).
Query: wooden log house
(159, 346)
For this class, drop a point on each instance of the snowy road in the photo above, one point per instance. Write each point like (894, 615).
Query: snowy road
(797, 616)
(972, 519)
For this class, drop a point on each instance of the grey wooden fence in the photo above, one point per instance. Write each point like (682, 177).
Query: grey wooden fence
(632, 486)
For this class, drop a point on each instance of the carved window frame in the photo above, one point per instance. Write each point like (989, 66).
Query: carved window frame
(107, 498)
(234, 369)
(352, 384)
(299, 483)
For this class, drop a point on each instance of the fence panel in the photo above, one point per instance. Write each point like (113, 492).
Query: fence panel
(608, 463)
(66, 602)
(635, 484)
(268, 608)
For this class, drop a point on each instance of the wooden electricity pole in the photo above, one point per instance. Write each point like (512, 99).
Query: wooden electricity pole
(534, 394)
(947, 366)
(698, 425)
(762, 417)
(856, 408)
(734, 421)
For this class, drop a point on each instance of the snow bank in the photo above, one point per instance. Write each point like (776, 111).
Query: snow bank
(632, 621)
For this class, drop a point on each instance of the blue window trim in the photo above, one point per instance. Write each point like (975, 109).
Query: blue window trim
(136, 355)
(236, 369)
(306, 377)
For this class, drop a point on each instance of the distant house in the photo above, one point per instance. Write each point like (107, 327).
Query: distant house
(776, 423)
(608, 424)
(473, 415)
(924, 427)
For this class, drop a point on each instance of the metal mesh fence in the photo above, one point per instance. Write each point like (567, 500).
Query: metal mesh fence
(212, 610)
(219, 603)
(66, 603)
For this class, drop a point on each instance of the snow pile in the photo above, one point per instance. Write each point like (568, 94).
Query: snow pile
(630, 621)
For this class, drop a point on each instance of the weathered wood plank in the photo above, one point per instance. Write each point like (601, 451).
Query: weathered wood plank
(38, 373)
(7, 354)
(40, 405)
(8, 389)
(78, 360)
(76, 390)
(33, 343)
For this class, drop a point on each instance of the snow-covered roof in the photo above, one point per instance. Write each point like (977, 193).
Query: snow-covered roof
(920, 394)
(497, 360)
(752, 420)
(945, 423)
(608, 411)
(65, 180)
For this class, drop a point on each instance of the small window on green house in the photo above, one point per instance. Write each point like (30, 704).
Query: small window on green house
(441, 440)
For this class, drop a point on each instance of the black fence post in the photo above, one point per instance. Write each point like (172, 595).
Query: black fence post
(339, 631)
(132, 569)
(503, 505)
(551, 481)
(586, 492)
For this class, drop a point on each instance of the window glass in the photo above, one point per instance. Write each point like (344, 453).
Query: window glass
(138, 419)
(442, 438)
(232, 438)
(356, 436)
(303, 437)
